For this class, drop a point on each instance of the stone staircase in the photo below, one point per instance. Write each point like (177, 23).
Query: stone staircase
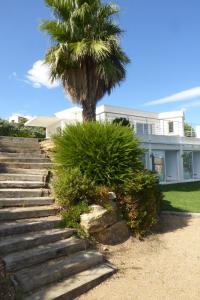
(45, 262)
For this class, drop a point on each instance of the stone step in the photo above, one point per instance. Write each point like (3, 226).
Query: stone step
(37, 255)
(18, 139)
(24, 160)
(75, 285)
(23, 193)
(28, 225)
(55, 270)
(14, 150)
(22, 155)
(7, 214)
(21, 184)
(18, 147)
(23, 171)
(23, 165)
(26, 202)
(26, 241)
(21, 177)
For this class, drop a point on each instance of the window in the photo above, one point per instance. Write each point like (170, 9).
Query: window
(144, 128)
(188, 164)
(139, 128)
(158, 164)
(171, 126)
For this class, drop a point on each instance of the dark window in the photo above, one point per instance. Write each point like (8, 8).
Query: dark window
(171, 127)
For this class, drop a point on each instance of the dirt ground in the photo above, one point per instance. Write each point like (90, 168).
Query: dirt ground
(164, 266)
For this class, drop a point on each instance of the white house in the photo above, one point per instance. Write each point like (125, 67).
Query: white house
(170, 151)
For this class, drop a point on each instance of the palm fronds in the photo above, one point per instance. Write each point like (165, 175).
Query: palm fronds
(86, 54)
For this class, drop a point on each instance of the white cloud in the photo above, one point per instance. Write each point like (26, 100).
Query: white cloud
(39, 76)
(178, 97)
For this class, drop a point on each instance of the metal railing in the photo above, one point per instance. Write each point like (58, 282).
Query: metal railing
(152, 126)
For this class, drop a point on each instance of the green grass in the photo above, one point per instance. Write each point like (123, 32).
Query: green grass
(182, 197)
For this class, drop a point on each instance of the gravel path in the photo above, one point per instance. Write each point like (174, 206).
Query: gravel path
(165, 266)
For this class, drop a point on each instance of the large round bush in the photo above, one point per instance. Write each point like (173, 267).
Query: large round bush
(106, 153)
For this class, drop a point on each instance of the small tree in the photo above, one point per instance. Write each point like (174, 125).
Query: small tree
(122, 121)
(189, 130)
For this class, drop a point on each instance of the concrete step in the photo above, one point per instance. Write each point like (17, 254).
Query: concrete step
(25, 202)
(26, 241)
(18, 142)
(24, 160)
(28, 225)
(21, 177)
(5, 147)
(23, 193)
(14, 150)
(37, 255)
(22, 155)
(7, 214)
(55, 270)
(75, 285)
(5, 170)
(18, 139)
(23, 165)
(21, 184)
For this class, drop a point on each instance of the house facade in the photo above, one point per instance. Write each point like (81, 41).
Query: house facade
(170, 150)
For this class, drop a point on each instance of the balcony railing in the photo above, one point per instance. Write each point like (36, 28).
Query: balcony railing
(152, 126)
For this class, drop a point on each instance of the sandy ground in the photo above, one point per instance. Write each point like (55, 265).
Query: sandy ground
(164, 266)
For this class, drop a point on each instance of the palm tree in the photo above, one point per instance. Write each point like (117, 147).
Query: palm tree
(86, 54)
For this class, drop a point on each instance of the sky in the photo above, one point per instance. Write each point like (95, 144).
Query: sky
(162, 39)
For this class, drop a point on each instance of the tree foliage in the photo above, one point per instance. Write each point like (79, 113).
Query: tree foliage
(19, 130)
(189, 130)
(122, 121)
(86, 54)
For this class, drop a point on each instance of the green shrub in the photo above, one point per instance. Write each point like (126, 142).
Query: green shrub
(19, 130)
(71, 187)
(102, 197)
(71, 216)
(106, 153)
(139, 200)
(122, 122)
(96, 158)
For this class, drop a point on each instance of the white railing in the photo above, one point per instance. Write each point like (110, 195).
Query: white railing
(152, 126)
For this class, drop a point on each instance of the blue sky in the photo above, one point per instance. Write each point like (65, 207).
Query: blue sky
(162, 39)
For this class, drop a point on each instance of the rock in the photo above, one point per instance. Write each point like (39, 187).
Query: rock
(97, 219)
(112, 196)
(105, 249)
(115, 234)
(47, 146)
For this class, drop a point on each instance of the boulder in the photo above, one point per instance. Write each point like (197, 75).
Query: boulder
(114, 234)
(97, 219)
(47, 147)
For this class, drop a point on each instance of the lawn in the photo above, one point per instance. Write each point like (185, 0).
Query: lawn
(183, 197)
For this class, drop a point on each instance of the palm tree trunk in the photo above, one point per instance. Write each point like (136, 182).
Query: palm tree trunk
(89, 111)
